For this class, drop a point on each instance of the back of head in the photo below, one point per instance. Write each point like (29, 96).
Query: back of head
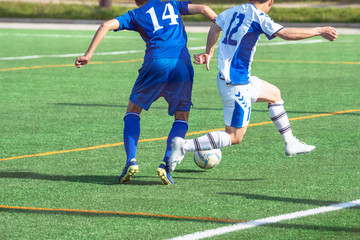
(139, 3)
(258, 1)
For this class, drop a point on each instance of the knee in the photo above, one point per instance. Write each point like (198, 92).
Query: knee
(182, 116)
(276, 96)
(236, 139)
(236, 134)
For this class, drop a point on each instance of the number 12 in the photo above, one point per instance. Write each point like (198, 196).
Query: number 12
(231, 31)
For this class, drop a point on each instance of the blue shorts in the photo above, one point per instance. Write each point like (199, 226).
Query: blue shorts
(171, 78)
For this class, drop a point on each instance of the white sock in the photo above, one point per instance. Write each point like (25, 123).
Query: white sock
(280, 119)
(212, 140)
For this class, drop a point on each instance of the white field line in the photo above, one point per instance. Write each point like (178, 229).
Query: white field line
(71, 36)
(140, 51)
(265, 221)
(292, 42)
(94, 27)
(70, 55)
(63, 36)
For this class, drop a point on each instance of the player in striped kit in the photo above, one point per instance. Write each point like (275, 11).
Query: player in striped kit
(242, 26)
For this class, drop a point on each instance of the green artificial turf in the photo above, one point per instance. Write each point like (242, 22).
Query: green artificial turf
(56, 107)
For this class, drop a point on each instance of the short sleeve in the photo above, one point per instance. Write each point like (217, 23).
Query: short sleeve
(268, 26)
(183, 7)
(220, 20)
(125, 22)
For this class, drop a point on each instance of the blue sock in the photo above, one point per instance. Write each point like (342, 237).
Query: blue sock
(131, 134)
(178, 129)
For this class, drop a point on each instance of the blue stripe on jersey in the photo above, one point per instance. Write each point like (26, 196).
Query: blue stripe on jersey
(240, 65)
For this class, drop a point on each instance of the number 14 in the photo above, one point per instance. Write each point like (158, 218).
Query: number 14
(172, 16)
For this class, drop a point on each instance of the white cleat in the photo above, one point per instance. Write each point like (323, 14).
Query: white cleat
(177, 152)
(297, 147)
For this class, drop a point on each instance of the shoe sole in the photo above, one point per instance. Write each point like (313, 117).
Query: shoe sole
(299, 153)
(131, 172)
(162, 175)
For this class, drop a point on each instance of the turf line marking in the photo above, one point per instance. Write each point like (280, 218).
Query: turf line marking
(46, 66)
(164, 138)
(292, 42)
(141, 51)
(68, 65)
(268, 220)
(80, 54)
(290, 119)
(75, 36)
(140, 60)
(70, 55)
(64, 36)
(121, 213)
(313, 62)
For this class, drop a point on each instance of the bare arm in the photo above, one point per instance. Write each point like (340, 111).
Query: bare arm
(202, 9)
(328, 33)
(99, 36)
(213, 36)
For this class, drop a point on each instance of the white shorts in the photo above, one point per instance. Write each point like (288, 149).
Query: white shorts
(237, 101)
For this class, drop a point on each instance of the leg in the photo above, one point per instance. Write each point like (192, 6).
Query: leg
(271, 94)
(131, 130)
(237, 107)
(268, 93)
(236, 134)
(131, 137)
(212, 140)
(178, 95)
(179, 129)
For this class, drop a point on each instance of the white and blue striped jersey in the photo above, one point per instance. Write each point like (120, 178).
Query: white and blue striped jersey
(242, 26)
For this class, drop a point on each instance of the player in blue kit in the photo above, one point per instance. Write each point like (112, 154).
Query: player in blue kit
(242, 26)
(166, 72)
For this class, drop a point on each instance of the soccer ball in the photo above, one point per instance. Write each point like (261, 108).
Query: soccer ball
(207, 159)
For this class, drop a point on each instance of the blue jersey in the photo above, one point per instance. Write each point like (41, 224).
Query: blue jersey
(161, 27)
(242, 26)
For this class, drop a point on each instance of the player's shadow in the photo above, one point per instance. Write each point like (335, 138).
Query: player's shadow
(312, 227)
(174, 218)
(200, 178)
(111, 180)
(283, 199)
(190, 171)
(92, 179)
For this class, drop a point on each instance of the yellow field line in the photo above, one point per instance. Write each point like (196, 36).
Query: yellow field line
(298, 61)
(44, 66)
(164, 138)
(67, 65)
(120, 213)
(139, 60)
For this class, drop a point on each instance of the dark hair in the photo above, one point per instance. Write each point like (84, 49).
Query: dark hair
(259, 1)
(140, 2)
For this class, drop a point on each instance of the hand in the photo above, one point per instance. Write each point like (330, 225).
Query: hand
(328, 33)
(82, 61)
(203, 58)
